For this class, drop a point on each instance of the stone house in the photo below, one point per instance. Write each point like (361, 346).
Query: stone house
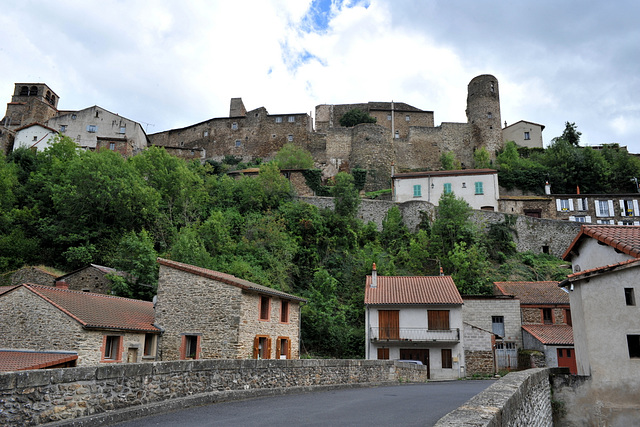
(478, 187)
(546, 320)
(29, 274)
(206, 314)
(524, 134)
(97, 328)
(91, 278)
(605, 209)
(492, 332)
(415, 318)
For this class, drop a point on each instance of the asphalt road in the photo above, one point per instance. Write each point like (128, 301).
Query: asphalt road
(406, 405)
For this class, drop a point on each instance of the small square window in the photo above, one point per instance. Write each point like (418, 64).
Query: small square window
(290, 138)
(35, 138)
(206, 133)
(111, 347)
(73, 117)
(629, 296)
(388, 116)
(112, 146)
(234, 126)
(489, 115)
(123, 129)
(547, 316)
(407, 118)
(278, 119)
(633, 342)
(92, 128)
(527, 136)
(63, 128)
(238, 143)
(292, 119)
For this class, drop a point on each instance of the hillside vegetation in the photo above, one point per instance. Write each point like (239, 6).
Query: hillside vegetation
(64, 208)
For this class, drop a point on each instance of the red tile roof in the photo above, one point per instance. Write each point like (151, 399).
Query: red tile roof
(21, 360)
(228, 279)
(604, 269)
(4, 289)
(412, 290)
(625, 238)
(533, 292)
(551, 334)
(97, 310)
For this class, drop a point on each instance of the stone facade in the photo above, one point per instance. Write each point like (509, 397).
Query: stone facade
(222, 313)
(106, 395)
(35, 275)
(92, 278)
(478, 350)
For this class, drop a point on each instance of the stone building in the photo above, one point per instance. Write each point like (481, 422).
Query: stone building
(91, 278)
(524, 134)
(33, 136)
(98, 328)
(37, 275)
(207, 314)
(492, 332)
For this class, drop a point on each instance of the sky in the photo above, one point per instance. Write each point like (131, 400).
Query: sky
(169, 64)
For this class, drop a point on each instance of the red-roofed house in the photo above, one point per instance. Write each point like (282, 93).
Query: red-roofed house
(546, 320)
(599, 245)
(415, 318)
(207, 314)
(99, 328)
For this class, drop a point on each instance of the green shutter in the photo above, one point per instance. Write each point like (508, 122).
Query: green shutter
(417, 191)
(479, 189)
(447, 188)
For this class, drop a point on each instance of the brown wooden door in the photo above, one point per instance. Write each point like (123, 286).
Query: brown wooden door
(389, 324)
(383, 354)
(567, 359)
(421, 354)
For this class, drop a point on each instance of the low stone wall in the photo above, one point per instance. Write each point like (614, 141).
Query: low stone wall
(115, 392)
(518, 399)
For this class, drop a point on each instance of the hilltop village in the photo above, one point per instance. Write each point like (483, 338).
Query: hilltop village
(453, 271)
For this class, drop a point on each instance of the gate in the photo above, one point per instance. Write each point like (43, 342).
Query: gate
(506, 355)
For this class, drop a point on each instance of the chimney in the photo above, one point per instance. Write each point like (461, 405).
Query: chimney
(374, 276)
(547, 188)
(61, 284)
(577, 189)
(441, 271)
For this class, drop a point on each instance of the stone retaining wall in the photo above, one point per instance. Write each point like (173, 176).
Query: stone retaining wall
(110, 393)
(518, 399)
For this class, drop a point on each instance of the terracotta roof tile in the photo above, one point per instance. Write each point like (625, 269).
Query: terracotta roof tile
(533, 292)
(603, 269)
(97, 310)
(228, 279)
(21, 360)
(412, 290)
(551, 334)
(625, 238)
(4, 289)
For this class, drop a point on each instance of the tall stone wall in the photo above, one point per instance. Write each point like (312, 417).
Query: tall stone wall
(105, 395)
(478, 350)
(518, 399)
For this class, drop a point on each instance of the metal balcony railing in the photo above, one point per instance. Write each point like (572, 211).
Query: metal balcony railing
(413, 334)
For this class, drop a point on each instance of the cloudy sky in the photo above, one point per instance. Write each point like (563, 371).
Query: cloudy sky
(169, 64)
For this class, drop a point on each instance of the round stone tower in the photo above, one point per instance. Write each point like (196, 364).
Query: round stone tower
(483, 113)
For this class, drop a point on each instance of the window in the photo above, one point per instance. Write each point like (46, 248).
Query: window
(407, 118)
(112, 348)
(123, 129)
(63, 128)
(383, 354)
(292, 119)
(447, 188)
(190, 347)
(92, 128)
(582, 204)
(388, 118)
(234, 126)
(73, 117)
(265, 306)
(604, 208)
(527, 136)
(389, 324)
(397, 135)
(567, 317)
(629, 296)
(33, 91)
(205, 133)
(261, 347)
(547, 316)
(438, 320)
(489, 115)
(97, 114)
(283, 348)
(112, 146)
(284, 311)
(149, 345)
(238, 143)
(564, 205)
(278, 119)
(628, 207)
(417, 191)
(24, 91)
(290, 138)
(35, 138)
(633, 341)
(479, 189)
(447, 362)
(497, 325)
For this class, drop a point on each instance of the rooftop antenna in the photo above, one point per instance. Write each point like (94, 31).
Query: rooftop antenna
(147, 126)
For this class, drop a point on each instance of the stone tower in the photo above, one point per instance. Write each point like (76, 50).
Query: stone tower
(483, 113)
(30, 103)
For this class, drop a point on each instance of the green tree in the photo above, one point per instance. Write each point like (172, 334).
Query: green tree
(570, 134)
(292, 157)
(448, 161)
(469, 268)
(346, 197)
(452, 224)
(355, 117)
(395, 234)
(481, 158)
(136, 256)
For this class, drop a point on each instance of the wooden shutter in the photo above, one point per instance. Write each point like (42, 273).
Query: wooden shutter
(389, 324)
(383, 354)
(278, 345)
(268, 355)
(256, 344)
(288, 349)
(438, 319)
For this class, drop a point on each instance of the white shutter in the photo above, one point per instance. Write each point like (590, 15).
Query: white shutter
(636, 222)
(570, 204)
(620, 223)
(624, 213)
(599, 221)
(572, 218)
(636, 211)
(597, 203)
(558, 205)
(611, 212)
(587, 218)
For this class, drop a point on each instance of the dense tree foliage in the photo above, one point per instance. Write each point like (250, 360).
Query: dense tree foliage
(355, 117)
(64, 208)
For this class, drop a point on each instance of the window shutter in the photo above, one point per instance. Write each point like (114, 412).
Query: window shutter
(256, 343)
(572, 218)
(289, 349)
(599, 221)
(585, 204)
(636, 222)
(636, 211)
(620, 223)
(570, 204)
(623, 212)
(198, 339)
(587, 218)
(611, 212)
(268, 348)
(558, 205)
(597, 203)
(278, 345)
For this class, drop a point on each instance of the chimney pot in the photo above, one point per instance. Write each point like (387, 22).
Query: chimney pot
(374, 276)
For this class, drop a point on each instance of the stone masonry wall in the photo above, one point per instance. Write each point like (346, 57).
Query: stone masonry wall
(518, 399)
(41, 396)
(90, 280)
(30, 275)
(478, 311)
(478, 350)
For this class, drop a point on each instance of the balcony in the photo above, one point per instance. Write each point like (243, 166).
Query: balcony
(414, 335)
